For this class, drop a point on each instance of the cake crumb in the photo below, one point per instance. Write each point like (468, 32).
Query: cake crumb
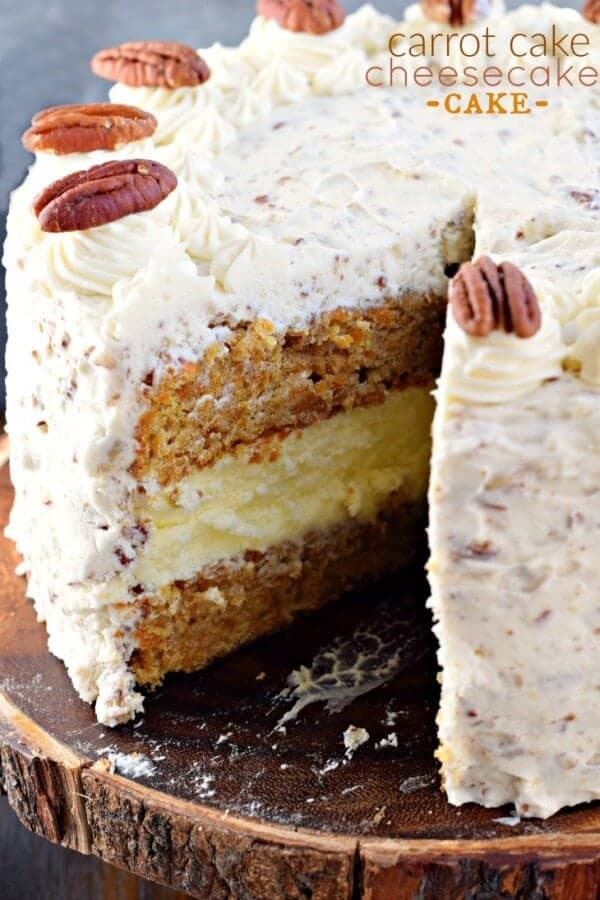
(390, 741)
(379, 816)
(509, 821)
(390, 717)
(354, 737)
(132, 765)
(329, 766)
(205, 787)
(417, 783)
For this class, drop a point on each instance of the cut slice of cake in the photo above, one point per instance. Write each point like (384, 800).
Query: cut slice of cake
(514, 526)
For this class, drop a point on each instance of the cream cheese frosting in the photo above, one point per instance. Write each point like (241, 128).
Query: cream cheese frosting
(514, 521)
(301, 189)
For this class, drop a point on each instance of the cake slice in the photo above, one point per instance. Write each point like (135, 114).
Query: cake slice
(514, 530)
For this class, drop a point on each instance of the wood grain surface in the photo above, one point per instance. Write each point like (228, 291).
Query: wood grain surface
(223, 789)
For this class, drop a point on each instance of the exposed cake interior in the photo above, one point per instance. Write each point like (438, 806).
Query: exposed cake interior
(280, 471)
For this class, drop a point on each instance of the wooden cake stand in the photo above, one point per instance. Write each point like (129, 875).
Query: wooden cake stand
(237, 782)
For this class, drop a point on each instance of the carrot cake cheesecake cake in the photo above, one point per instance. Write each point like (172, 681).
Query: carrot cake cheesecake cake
(232, 288)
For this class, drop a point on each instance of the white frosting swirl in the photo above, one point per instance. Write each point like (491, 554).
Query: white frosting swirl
(247, 107)
(342, 76)
(23, 230)
(267, 41)
(497, 368)
(564, 271)
(257, 268)
(91, 262)
(228, 70)
(194, 215)
(199, 224)
(368, 29)
(282, 83)
(559, 304)
(172, 108)
(208, 132)
(191, 166)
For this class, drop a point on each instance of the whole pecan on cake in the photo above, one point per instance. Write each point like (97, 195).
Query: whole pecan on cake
(485, 297)
(81, 128)
(453, 12)
(103, 194)
(164, 64)
(591, 11)
(310, 16)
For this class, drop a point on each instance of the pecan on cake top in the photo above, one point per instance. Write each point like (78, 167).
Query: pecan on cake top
(84, 127)
(591, 11)
(103, 194)
(455, 12)
(310, 16)
(486, 297)
(161, 64)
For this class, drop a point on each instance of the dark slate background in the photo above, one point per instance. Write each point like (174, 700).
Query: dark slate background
(45, 48)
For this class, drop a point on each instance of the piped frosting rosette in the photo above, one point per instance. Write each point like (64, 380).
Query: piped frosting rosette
(500, 367)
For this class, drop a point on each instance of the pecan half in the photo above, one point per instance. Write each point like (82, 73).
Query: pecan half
(81, 128)
(450, 12)
(103, 194)
(591, 11)
(164, 64)
(310, 16)
(485, 296)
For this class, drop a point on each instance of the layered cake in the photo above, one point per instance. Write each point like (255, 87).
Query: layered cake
(227, 294)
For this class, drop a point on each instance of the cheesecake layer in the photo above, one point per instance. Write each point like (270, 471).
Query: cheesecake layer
(284, 486)
(187, 624)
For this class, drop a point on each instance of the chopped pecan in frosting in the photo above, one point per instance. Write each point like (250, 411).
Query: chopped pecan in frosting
(311, 16)
(589, 198)
(161, 64)
(103, 194)
(485, 297)
(84, 127)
